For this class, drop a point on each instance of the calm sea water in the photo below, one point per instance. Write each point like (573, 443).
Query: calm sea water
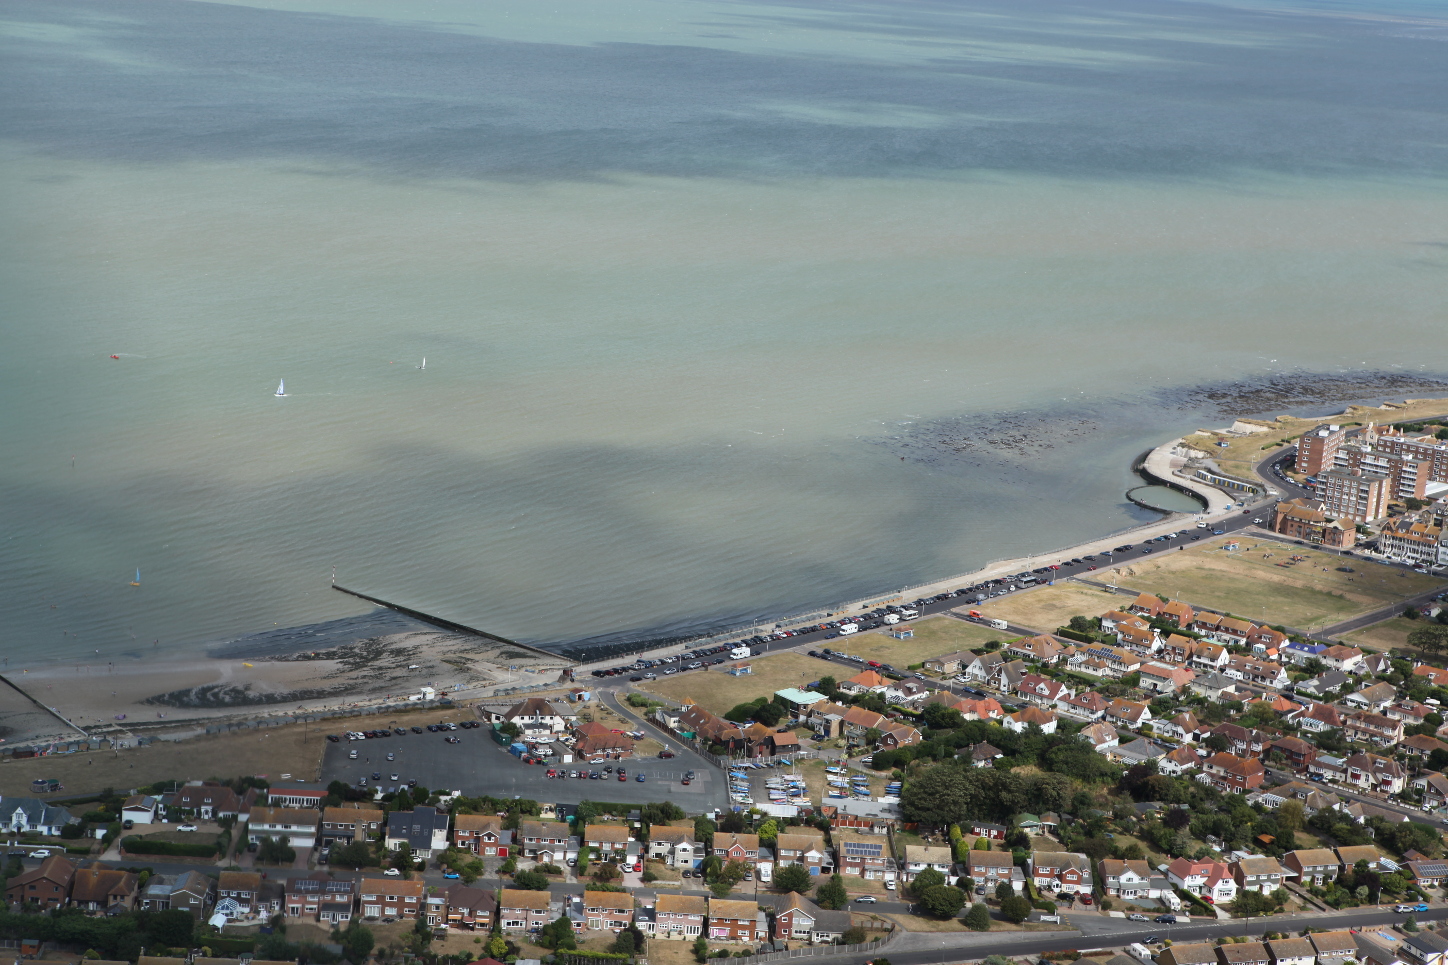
(705, 291)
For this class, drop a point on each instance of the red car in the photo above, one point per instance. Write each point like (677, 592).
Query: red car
(1086, 899)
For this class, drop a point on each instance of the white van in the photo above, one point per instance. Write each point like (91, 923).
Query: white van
(909, 613)
(848, 628)
(739, 653)
(765, 873)
(997, 624)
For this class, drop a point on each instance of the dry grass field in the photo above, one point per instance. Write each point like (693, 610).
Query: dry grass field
(716, 691)
(1048, 607)
(1250, 584)
(1383, 636)
(933, 636)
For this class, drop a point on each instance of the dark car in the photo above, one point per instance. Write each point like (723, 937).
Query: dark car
(636, 678)
(432, 728)
(399, 731)
(1165, 919)
(334, 738)
(416, 729)
(376, 775)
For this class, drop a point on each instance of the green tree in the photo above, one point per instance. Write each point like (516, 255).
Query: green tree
(558, 934)
(1016, 909)
(358, 854)
(793, 878)
(944, 901)
(982, 843)
(624, 943)
(1004, 890)
(276, 850)
(832, 895)
(925, 880)
(1249, 904)
(530, 881)
(356, 941)
(701, 949)
(497, 948)
(1430, 637)
(173, 928)
(768, 832)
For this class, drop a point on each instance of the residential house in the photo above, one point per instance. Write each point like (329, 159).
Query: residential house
(1291, 951)
(140, 809)
(1209, 656)
(1201, 953)
(981, 708)
(1326, 684)
(949, 663)
(1311, 866)
(1179, 761)
(1231, 773)
(1114, 662)
(1023, 719)
(239, 890)
(1042, 691)
(207, 800)
(1138, 751)
(1243, 953)
(472, 908)
(299, 826)
(984, 829)
(1243, 741)
(919, 857)
(737, 921)
(799, 846)
(1316, 718)
(351, 822)
(1424, 948)
(988, 868)
(295, 797)
(1374, 698)
(423, 829)
(547, 841)
(189, 891)
(100, 888)
(981, 755)
(1348, 857)
(22, 815)
(1060, 871)
(1101, 736)
(1437, 676)
(535, 717)
(1087, 706)
(1125, 879)
(1297, 752)
(609, 840)
(861, 855)
(1147, 606)
(1042, 649)
(1161, 678)
(676, 847)
(521, 911)
(1214, 686)
(865, 682)
(1434, 787)
(482, 834)
(1345, 659)
(612, 744)
(1258, 873)
(1373, 728)
(322, 898)
(984, 666)
(1130, 714)
(45, 887)
(1178, 613)
(895, 734)
(1177, 649)
(1259, 673)
(1376, 773)
(858, 722)
(1427, 872)
(1232, 632)
(1144, 642)
(607, 910)
(1203, 878)
(907, 693)
(1333, 946)
(1267, 643)
(680, 916)
(391, 899)
(799, 919)
(1183, 727)
(1298, 652)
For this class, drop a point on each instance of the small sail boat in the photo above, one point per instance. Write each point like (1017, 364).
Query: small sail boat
(423, 366)
(282, 389)
(137, 580)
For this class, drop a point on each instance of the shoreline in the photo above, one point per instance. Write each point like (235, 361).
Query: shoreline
(384, 656)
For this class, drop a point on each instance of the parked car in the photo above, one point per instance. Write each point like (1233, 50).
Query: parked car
(1165, 919)
(187, 827)
(392, 873)
(1137, 916)
(867, 899)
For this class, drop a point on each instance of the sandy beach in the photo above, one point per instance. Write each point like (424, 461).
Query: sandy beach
(165, 694)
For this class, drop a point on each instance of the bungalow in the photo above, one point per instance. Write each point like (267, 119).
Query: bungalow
(1101, 736)
(1333, 946)
(680, 916)
(981, 708)
(1138, 751)
(737, 921)
(1188, 954)
(1298, 652)
(981, 755)
(1436, 676)
(1348, 857)
(472, 908)
(865, 682)
(1243, 953)
(189, 891)
(295, 797)
(1323, 685)
(140, 809)
(949, 663)
(1060, 871)
(1291, 951)
(1162, 678)
(1258, 873)
(1373, 728)
(1310, 866)
(800, 919)
(984, 829)
(521, 911)
(1023, 719)
(1375, 698)
(1427, 872)
(1042, 649)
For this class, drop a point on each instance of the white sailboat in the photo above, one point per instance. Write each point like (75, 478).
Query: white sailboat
(423, 366)
(282, 389)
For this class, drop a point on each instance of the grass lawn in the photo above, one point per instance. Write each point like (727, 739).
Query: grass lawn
(1048, 607)
(1383, 636)
(934, 636)
(717, 692)
(1250, 584)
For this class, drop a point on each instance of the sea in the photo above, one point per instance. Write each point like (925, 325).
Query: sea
(651, 318)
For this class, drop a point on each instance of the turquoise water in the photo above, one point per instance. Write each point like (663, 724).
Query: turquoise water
(729, 309)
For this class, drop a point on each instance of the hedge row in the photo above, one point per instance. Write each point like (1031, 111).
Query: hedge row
(138, 845)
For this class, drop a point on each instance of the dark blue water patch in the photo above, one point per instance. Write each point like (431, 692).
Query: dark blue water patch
(1137, 88)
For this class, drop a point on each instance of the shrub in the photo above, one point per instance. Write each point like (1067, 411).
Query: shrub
(978, 918)
(1015, 908)
(139, 845)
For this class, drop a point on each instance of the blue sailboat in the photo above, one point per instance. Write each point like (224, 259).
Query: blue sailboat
(137, 580)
